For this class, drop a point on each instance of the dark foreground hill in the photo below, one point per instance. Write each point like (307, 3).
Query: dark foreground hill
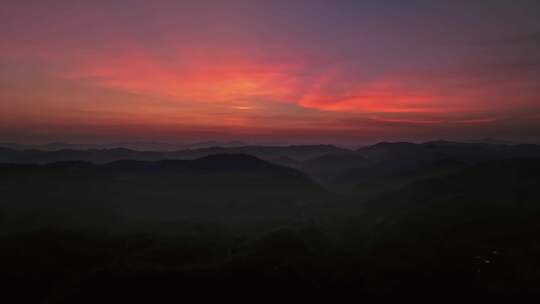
(236, 227)
(476, 228)
(224, 186)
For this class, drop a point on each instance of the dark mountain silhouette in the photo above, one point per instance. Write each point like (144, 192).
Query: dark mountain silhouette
(385, 166)
(95, 156)
(370, 184)
(436, 150)
(473, 228)
(238, 186)
(481, 221)
(327, 167)
(390, 160)
(8, 155)
(439, 218)
(336, 168)
(510, 181)
(137, 145)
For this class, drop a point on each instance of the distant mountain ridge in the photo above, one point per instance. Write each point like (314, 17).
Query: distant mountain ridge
(398, 158)
(327, 164)
(109, 155)
(135, 145)
(387, 151)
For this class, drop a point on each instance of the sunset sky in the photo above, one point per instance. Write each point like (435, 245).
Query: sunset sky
(335, 71)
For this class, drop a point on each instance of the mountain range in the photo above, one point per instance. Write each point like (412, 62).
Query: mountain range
(391, 219)
(333, 166)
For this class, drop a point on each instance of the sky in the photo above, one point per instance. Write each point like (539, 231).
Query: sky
(313, 71)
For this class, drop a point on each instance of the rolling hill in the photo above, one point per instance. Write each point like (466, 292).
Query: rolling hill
(227, 186)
